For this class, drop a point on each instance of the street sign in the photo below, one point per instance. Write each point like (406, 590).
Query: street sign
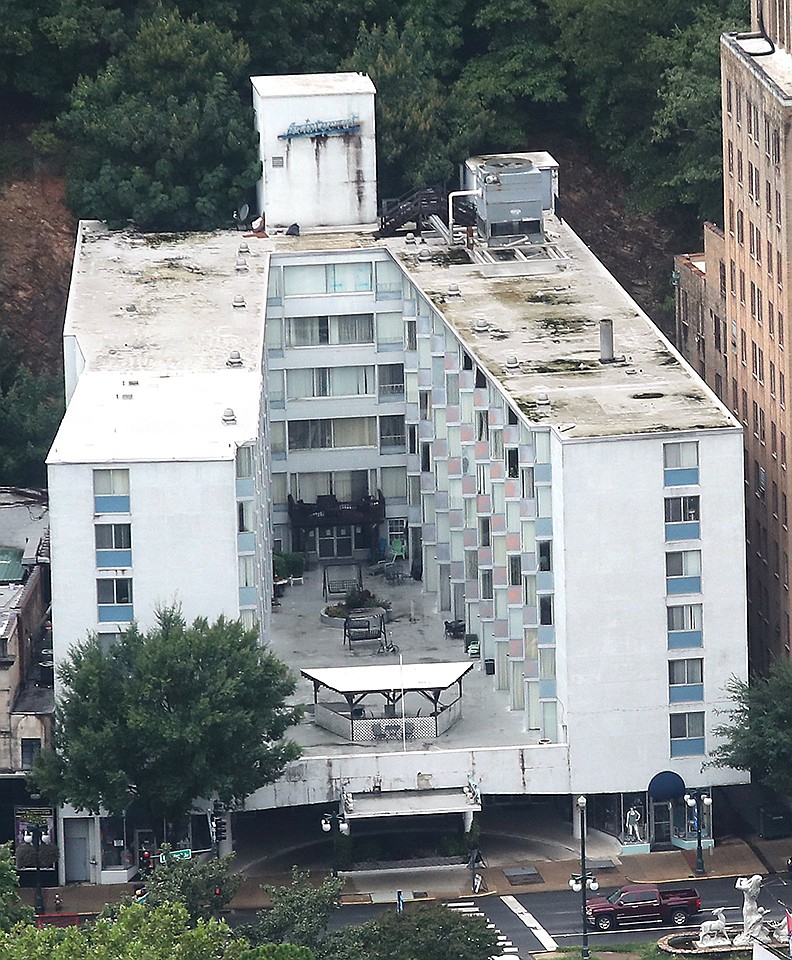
(176, 855)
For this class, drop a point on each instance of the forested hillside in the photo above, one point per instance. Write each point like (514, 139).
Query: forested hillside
(144, 107)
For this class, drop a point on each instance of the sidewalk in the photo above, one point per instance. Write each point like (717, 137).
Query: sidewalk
(731, 857)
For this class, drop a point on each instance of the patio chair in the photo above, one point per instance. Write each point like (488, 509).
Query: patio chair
(376, 729)
(398, 550)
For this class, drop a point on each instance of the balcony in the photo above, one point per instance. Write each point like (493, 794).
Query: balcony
(328, 511)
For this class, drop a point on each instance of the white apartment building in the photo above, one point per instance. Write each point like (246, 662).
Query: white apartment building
(564, 483)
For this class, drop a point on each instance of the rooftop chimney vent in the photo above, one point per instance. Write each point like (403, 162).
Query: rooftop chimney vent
(239, 301)
(410, 238)
(481, 325)
(243, 248)
(234, 359)
(229, 416)
(241, 265)
(512, 363)
(542, 400)
(453, 290)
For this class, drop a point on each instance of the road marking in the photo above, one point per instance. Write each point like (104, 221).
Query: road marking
(531, 922)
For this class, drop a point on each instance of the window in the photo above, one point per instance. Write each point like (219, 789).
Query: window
(546, 610)
(781, 389)
(113, 544)
(486, 585)
(730, 157)
(680, 463)
(471, 564)
(307, 383)
(686, 680)
(482, 425)
(684, 626)
(687, 734)
(544, 549)
(111, 491)
(310, 279)
(527, 483)
(247, 571)
(31, 748)
(739, 166)
(114, 599)
(244, 463)
(484, 532)
(515, 570)
(392, 432)
(683, 571)
(424, 404)
(391, 379)
(512, 462)
(681, 509)
(244, 516)
(740, 227)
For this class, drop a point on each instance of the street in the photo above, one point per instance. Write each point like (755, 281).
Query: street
(533, 922)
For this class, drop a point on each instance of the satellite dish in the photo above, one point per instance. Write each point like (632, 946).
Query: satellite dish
(244, 211)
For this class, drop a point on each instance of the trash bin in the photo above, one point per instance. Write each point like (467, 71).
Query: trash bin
(489, 668)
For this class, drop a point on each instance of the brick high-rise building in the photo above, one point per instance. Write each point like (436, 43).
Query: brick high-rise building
(733, 304)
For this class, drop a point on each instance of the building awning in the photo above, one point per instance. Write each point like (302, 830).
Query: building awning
(388, 678)
(411, 803)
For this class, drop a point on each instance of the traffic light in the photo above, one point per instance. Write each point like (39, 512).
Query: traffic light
(145, 862)
(219, 828)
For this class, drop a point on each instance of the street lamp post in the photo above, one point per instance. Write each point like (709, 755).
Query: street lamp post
(329, 820)
(699, 800)
(35, 834)
(583, 881)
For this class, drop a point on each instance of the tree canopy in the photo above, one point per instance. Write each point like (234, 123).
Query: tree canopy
(203, 886)
(758, 733)
(30, 411)
(167, 716)
(161, 135)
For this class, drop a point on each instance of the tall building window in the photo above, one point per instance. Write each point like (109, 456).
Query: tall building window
(244, 462)
(687, 734)
(114, 600)
(111, 491)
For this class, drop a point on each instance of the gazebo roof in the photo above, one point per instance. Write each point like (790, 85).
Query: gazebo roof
(350, 681)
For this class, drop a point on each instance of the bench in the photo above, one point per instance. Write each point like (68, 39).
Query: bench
(364, 628)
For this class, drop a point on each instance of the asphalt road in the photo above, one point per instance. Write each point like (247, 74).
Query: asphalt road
(535, 921)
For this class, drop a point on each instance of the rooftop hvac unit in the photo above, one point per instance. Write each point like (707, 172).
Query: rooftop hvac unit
(510, 204)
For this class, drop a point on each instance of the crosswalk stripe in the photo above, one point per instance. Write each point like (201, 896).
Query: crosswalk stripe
(531, 922)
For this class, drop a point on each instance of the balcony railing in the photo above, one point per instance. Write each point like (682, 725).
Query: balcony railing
(328, 511)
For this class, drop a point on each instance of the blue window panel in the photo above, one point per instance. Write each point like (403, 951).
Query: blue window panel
(686, 692)
(116, 613)
(694, 747)
(543, 473)
(111, 503)
(690, 530)
(248, 596)
(681, 476)
(280, 507)
(547, 688)
(675, 585)
(544, 580)
(113, 558)
(246, 542)
(546, 635)
(679, 639)
(244, 487)
(544, 527)
(278, 403)
(278, 455)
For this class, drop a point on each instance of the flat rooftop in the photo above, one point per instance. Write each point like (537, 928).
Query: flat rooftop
(115, 417)
(311, 85)
(165, 304)
(775, 67)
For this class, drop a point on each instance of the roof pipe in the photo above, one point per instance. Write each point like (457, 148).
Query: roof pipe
(451, 197)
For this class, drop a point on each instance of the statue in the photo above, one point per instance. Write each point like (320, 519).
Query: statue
(631, 825)
(755, 929)
(712, 933)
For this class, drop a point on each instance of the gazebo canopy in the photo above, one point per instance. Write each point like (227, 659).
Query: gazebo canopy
(388, 678)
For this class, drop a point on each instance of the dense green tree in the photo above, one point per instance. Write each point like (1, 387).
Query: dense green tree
(431, 932)
(12, 910)
(139, 933)
(683, 161)
(515, 66)
(203, 887)
(167, 716)
(758, 733)
(161, 135)
(30, 411)
(300, 913)
(422, 129)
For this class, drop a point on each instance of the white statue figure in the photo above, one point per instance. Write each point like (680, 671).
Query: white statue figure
(712, 933)
(631, 825)
(755, 929)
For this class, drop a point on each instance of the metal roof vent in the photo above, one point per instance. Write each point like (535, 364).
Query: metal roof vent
(234, 359)
(241, 265)
(131, 308)
(453, 290)
(424, 254)
(542, 400)
(410, 238)
(243, 248)
(481, 325)
(512, 363)
(228, 415)
(239, 301)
